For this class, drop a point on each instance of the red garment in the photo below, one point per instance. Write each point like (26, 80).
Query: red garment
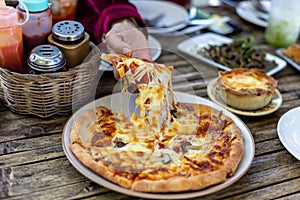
(97, 15)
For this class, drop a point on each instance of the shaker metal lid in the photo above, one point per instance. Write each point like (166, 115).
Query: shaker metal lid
(46, 58)
(68, 31)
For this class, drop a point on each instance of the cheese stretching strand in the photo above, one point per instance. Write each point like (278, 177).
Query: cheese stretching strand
(154, 82)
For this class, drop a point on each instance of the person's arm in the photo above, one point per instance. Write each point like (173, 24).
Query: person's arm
(125, 38)
(98, 16)
(121, 23)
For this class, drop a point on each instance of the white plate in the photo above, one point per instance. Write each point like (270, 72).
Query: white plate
(274, 105)
(246, 11)
(288, 129)
(155, 48)
(290, 61)
(194, 44)
(173, 13)
(113, 101)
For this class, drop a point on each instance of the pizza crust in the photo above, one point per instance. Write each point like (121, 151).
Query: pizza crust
(236, 153)
(178, 184)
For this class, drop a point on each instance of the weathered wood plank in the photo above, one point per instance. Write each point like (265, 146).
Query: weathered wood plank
(29, 144)
(273, 160)
(268, 146)
(273, 191)
(256, 181)
(291, 197)
(13, 129)
(79, 190)
(27, 157)
(38, 176)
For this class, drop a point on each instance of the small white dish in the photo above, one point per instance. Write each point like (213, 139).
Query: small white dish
(128, 106)
(290, 61)
(246, 11)
(155, 50)
(173, 13)
(274, 105)
(192, 45)
(288, 129)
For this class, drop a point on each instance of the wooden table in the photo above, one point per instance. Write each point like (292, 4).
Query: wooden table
(33, 164)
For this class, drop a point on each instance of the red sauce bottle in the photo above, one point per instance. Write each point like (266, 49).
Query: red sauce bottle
(11, 42)
(38, 27)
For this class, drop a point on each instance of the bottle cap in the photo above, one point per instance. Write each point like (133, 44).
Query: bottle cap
(35, 5)
(46, 58)
(68, 31)
(8, 15)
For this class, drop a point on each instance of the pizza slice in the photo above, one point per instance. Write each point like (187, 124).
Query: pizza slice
(154, 86)
(140, 69)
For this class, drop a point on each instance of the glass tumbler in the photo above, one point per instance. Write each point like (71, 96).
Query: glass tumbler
(63, 10)
(284, 23)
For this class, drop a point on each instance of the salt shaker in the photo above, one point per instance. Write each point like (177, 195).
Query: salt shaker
(38, 27)
(69, 36)
(46, 58)
(284, 23)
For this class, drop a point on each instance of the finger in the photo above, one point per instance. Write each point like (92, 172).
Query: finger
(142, 54)
(116, 74)
(117, 44)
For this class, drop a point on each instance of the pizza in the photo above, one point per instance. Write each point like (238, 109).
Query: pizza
(164, 146)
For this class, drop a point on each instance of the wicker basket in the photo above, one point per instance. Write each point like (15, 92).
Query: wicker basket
(58, 93)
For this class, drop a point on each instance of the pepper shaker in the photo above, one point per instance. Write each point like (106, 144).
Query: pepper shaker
(69, 36)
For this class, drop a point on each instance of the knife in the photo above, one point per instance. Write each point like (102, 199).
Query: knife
(195, 22)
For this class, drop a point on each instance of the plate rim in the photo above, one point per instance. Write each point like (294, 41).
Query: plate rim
(281, 135)
(186, 45)
(240, 11)
(246, 160)
(153, 41)
(210, 87)
(170, 5)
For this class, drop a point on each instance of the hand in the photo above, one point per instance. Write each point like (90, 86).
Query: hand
(125, 38)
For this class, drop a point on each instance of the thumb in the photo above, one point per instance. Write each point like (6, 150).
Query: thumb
(127, 50)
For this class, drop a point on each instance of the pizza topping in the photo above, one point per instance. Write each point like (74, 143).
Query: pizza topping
(120, 144)
(166, 158)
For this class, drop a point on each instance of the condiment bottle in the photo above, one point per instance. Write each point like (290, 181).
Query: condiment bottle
(46, 58)
(11, 42)
(284, 23)
(69, 36)
(38, 27)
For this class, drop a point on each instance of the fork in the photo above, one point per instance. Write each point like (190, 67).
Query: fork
(154, 21)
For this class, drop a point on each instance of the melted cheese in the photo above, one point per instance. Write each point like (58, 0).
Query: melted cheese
(153, 97)
(247, 80)
(243, 81)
